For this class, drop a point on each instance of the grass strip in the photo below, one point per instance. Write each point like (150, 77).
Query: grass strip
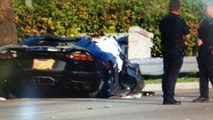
(180, 79)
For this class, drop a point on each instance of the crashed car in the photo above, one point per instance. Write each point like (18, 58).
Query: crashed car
(53, 65)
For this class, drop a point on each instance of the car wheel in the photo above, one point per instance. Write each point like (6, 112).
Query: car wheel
(106, 85)
(139, 84)
(6, 95)
(2, 93)
(109, 79)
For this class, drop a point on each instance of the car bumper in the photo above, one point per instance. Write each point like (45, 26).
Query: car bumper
(61, 79)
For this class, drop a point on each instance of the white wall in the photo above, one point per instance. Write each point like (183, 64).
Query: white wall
(139, 43)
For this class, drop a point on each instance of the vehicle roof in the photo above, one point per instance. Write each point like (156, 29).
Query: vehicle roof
(49, 40)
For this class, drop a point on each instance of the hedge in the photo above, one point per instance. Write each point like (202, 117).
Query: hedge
(71, 17)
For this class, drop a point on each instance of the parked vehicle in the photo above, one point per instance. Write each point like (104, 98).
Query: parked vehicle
(53, 66)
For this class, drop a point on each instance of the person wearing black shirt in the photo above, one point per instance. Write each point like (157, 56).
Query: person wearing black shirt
(205, 53)
(174, 33)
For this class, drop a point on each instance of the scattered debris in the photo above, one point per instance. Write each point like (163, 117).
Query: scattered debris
(2, 99)
(138, 95)
(148, 93)
(53, 117)
(90, 108)
(107, 106)
(188, 119)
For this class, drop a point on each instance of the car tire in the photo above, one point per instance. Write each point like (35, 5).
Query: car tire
(139, 85)
(109, 79)
(6, 95)
(106, 85)
(2, 93)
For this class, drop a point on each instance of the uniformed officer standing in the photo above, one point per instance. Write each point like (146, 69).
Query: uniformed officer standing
(205, 53)
(174, 33)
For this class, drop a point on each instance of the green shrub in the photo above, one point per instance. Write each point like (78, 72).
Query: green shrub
(71, 17)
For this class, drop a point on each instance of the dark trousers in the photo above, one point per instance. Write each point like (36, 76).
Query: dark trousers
(205, 65)
(172, 61)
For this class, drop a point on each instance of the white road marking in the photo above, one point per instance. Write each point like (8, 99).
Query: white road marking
(35, 113)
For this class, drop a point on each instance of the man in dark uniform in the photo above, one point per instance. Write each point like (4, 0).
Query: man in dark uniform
(205, 53)
(174, 33)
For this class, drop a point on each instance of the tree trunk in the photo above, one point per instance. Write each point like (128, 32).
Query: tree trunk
(8, 33)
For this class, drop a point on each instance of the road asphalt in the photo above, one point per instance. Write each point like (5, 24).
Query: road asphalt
(157, 87)
(144, 108)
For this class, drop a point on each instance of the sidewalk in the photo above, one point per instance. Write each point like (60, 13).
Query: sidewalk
(184, 85)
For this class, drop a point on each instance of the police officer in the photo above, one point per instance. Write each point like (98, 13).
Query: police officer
(173, 31)
(205, 53)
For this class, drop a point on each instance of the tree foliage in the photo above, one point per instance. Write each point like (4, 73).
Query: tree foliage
(71, 17)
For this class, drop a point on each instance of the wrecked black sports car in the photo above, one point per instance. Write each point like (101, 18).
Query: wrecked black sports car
(56, 66)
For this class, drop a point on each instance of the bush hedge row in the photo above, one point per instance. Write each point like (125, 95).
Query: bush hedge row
(71, 17)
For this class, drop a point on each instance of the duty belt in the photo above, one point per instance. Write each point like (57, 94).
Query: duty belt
(210, 47)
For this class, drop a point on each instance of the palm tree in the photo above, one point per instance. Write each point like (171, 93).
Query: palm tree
(8, 33)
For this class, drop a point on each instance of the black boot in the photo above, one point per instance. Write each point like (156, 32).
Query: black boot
(201, 100)
(171, 101)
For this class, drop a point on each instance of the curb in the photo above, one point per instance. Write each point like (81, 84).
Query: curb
(184, 85)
